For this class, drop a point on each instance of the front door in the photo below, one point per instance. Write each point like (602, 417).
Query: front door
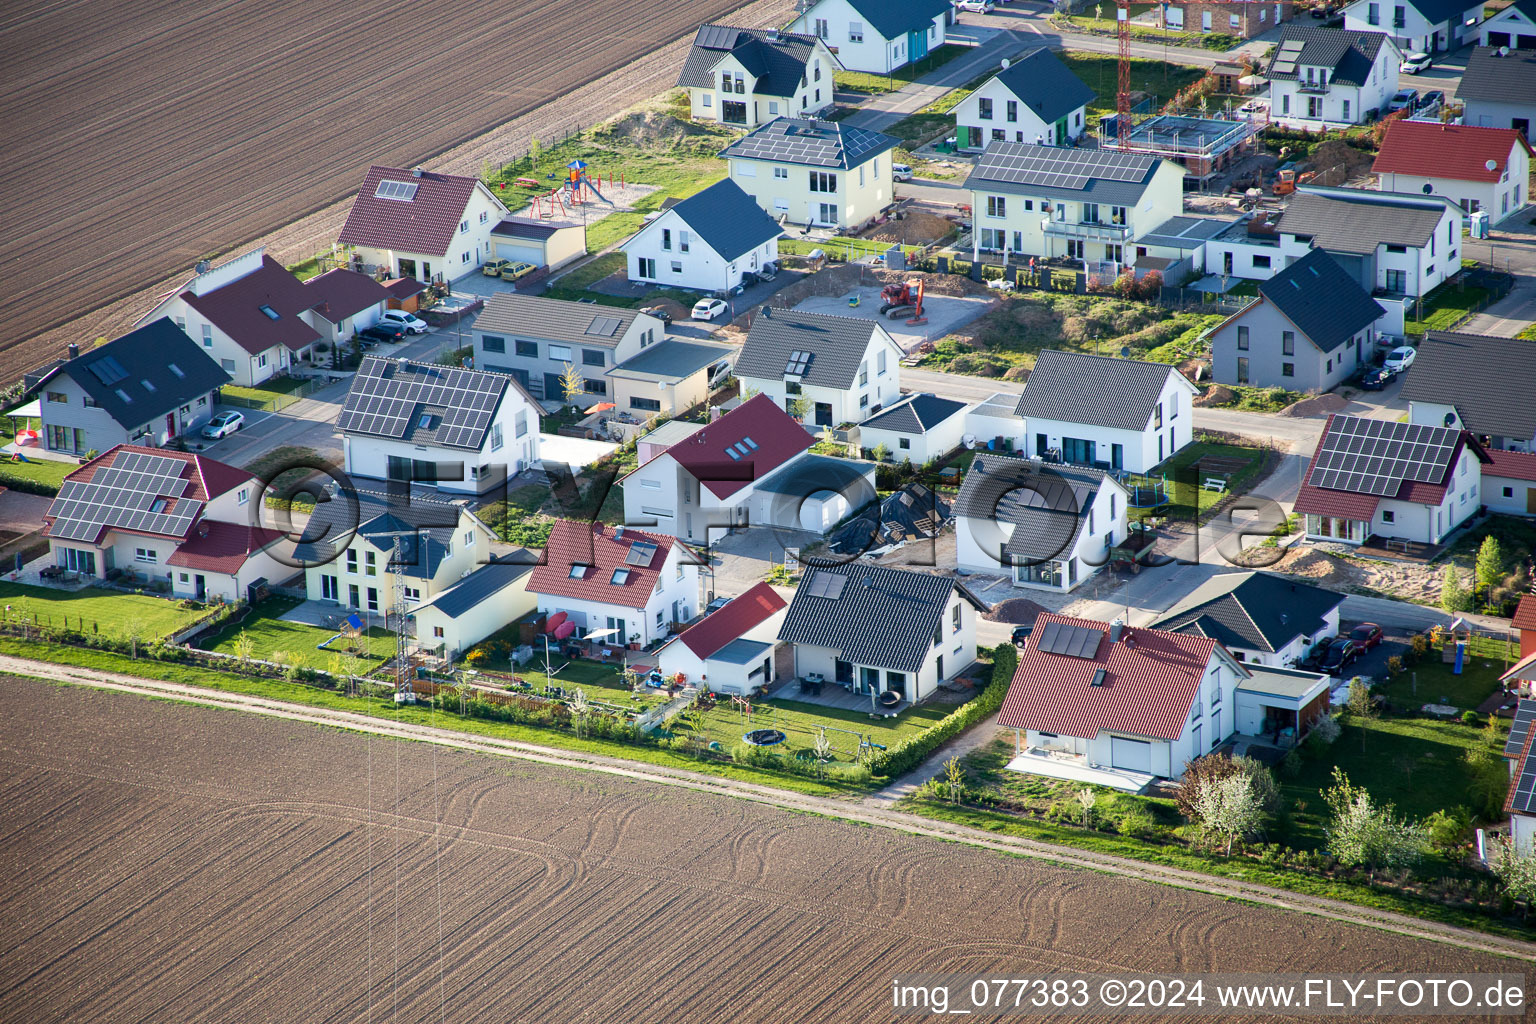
(170, 425)
(200, 586)
(1117, 456)
(553, 391)
(1530, 500)
(1042, 445)
(823, 414)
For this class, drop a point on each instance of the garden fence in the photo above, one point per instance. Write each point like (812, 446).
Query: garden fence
(275, 402)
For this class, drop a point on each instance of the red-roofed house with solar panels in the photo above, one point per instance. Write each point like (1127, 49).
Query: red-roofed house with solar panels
(421, 224)
(732, 649)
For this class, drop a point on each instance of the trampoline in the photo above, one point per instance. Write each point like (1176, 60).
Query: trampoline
(763, 737)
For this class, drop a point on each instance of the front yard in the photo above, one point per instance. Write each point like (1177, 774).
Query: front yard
(1188, 495)
(1446, 306)
(1433, 681)
(96, 610)
(297, 643)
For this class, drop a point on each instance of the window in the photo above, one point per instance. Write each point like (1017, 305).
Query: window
(1242, 339)
(1373, 14)
(1117, 215)
(984, 109)
(745, 170)
(997, 206)
(242, 496)
(578, 570)
(954, 618)
(1090, 213)
(855, 35)
(781, 173)
(146, 555)
(821, 28)
(880, 363)
(707, 101)
(620, 577)
(207, 336)
(58, 398)
(181, 322)
(1242, 369)
(373, 599)
(560, 353)
(1396, 281)
(823, 181)
(773, 111)
(528, 348)
(791, 387)
(484, 216)
(1011, 110)
(861, 176)
(492, 343)
(1509, 492)
(594, 387)
(998, 135)
(682, 241)
(437, 632)
(593, 357)
(1157, 416)
(370, 564)
(496, 437)
(1111, 505)
(261, 360)
(644, 404)
(1287, 369)
(666, 239)
(1261, 262)
(1398, 249)
(863, 374)
(463, 226)
(1287, 343)
(863, 401)
(1345, 110)
(351, 561)
(1388, 516)
(904, 443)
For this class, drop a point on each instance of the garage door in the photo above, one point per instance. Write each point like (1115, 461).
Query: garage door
(522, 253)
(1132, 755)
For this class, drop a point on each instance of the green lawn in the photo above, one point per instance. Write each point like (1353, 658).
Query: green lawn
(1160, 79)
(598, 681)
(1191, 497)
(266, 389)
(36, 476)
(1432, 681)
(1516, 537)
(863, 81)
(1528, 333)
(1446, 306)
(801, 721)
(297, 643)
(95, 610)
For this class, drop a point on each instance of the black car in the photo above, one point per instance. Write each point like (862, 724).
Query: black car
(1342, 653)
(1314, 657)
(1021, 634)
(381, 332)
(658, 313)
(1376, 378)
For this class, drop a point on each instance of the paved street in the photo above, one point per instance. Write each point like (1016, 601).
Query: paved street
(1512, 247)
(1031, 18)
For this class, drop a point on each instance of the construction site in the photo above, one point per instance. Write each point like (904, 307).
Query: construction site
(1203, 146)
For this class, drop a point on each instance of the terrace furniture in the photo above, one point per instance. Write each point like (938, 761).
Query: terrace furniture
(1214, 483)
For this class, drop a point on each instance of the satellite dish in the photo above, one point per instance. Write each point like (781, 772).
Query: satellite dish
(1491, 164)
(1005, 63)
(1428, 188)
(1503, 51)
(1125, 352)
(1450, 419)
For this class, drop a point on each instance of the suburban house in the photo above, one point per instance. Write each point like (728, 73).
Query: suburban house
(1330, 77)
(1499, 91)
(1035, 98)
(1112, 414)
(615, 577)
(1046, 527)
(1394, 244)
(348, 549)
(1114, 706)
(748, 76)
(543, 243)
(421, 224)
(876, 35)
(1310, 328)
(1397, 486)
(732, 650)
(1084, 204)
(1259, 617)
(1477, 383)
(1514, 27)
(151, 386)
(345, 303)
(706, 242)
(1417, 26)
(877, 630)
(995, 423)
(667, 378)
(170, 517)
(1475, 168)
(251, 315)
(1509, 483)
(1244, 19)
(537, 340)
(490, 598)
(825, 370)
(464, 431)
(751, 467)
(817, 173)
(916, 428)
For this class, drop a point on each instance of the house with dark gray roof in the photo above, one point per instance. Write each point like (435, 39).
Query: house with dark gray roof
(150, 386)
(707, 242)
(1513, 27)
(464, 431)
(489, 599)
(878, 36)
(1479, 383)
(824, 370)
(1396, 245)
(880, 631)
(1121, 415)
(748, 76)
(1261, 618)
(1034, 98)
(1042, 526)
(1309, 329)
(1329, 77)
(1418, 26)
(534, 339)
(665, 378)
(1499, 91)
(916, 428)
(1088, 205)
(802, 170)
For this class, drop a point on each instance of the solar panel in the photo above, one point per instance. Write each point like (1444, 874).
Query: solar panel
(138, 491)
(826, 584)
(401, 191)
(640, 553)
(386, 396)
(108, 370)
(1520, 728)
(1376, 457)
(1073, 641)
(603, 326)
(1524, 796)
(1284, 67)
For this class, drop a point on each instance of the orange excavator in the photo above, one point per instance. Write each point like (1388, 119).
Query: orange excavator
(898, 301)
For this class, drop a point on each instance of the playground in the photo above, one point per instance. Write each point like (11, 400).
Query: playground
(848, 732)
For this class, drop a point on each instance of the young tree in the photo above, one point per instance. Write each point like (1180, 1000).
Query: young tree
(580, 709)
(1363, 833)
(880, 452)
(954, 778)
(1453, 596)
(823, 750)
(1490, 562)
(1230, 808)
(798, 407)
(1487, 782)
(572, 383)
(1359, 702)
(1087, 797)
(245, 646)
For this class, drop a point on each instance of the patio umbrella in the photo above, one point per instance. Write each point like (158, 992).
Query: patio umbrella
(555, 622)
(564, 630)
(602, 407)
(27, 438)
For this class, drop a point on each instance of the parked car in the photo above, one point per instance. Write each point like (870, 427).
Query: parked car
(410, 323)
(1430, 102)
(513, 271)
(1414, 63)
(708, 309)
(1367, 635)
(1021, 634)
(974, 6)
(1314, 657)
(901, 172)
(1342, 653)
(1403, 99)
(659, 313)
(380, 332)
(222, 425)
(1377, 377)
(493, 268)
(1400, 358)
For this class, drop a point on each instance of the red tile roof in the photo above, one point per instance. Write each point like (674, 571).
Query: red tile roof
(739, 615)
(235, 308)
(209, 479)
(1525, 613)
(601, 550)
(221, 547)
(1362, 507)
(1148, 687)
(1432, 150)
(425, 225)
(776, 434)
(340, 293)
(404, 287)
(1511, 465)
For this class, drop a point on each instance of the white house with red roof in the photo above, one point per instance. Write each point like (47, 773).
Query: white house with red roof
(172, 517)
(422, 224)
(1106, 704)
(751, 467)
(1477, 168)
(614, 577)
(1396, 484)
(732, 649)
(1509, 482)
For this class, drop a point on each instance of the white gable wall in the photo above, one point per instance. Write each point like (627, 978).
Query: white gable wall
(669, 252)
(859, 47)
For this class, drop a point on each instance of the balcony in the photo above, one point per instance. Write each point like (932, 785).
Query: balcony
(1312, 87)
(1084, 229)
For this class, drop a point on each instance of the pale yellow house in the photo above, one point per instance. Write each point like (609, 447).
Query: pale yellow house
(816, 173)
(748, 77)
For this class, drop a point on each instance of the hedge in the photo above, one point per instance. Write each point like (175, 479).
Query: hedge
(908, 754)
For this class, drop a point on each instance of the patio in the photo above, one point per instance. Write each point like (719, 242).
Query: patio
(834, 695)
(1075, 768)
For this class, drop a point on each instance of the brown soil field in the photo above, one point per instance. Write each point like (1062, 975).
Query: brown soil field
(174, 863)
(155, 134)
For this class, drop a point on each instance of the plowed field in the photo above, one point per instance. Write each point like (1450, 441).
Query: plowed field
(172, 863)
(141, 136)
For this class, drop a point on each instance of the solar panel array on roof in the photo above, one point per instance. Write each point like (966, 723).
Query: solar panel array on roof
(107, 370)
(1367, 456)
(1048, 167)
(717, 37)
(1285, 67)
(385, 394)
(603, 326)
(137, 492)
(1524, 797)
(1520, 728)
(640, 553)
(402, 191)
(826, 584)
(1074, 641)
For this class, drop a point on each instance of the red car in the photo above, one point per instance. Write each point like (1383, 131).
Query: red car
(1367, 635)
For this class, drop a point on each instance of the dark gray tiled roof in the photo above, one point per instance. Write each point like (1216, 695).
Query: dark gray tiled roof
(334, 522)
(1347, 53)
(1357, 221)
(1045, 85)
(533, 316)
(1253, 610)
(1090, 175)
(799, 140)
(811, 473)
(1076, 388)
(836, 344)
(1047, 505)
(892, 18)
(915, 414)
(778, 64)
(1496, 79)
(728, 219)
(671, 359)
(1490, 381)
(157, 367)
(1437, 11)
(1322, 299)
(424, 403)
(482, 585)
(882, 617)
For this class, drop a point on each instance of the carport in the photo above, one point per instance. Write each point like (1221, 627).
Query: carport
(1280, 704)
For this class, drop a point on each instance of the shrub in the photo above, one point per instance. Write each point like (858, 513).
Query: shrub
(1326, 729)
(1394, 664)
(1471, 718)
(1136, 823)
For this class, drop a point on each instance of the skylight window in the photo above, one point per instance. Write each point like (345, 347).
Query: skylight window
(620, 576)
(158, 505)
(749, 443)
(732, 453)
(798, 363)
(578, 571)
(269, 312)
(427, 421)
(178, 371)
(148, 386)
(123, 395)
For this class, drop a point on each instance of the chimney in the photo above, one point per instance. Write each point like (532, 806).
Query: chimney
(1116, 628)
(767, 312)
(773, 35)
(618, 533)
(415, 172)
(74, 351)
